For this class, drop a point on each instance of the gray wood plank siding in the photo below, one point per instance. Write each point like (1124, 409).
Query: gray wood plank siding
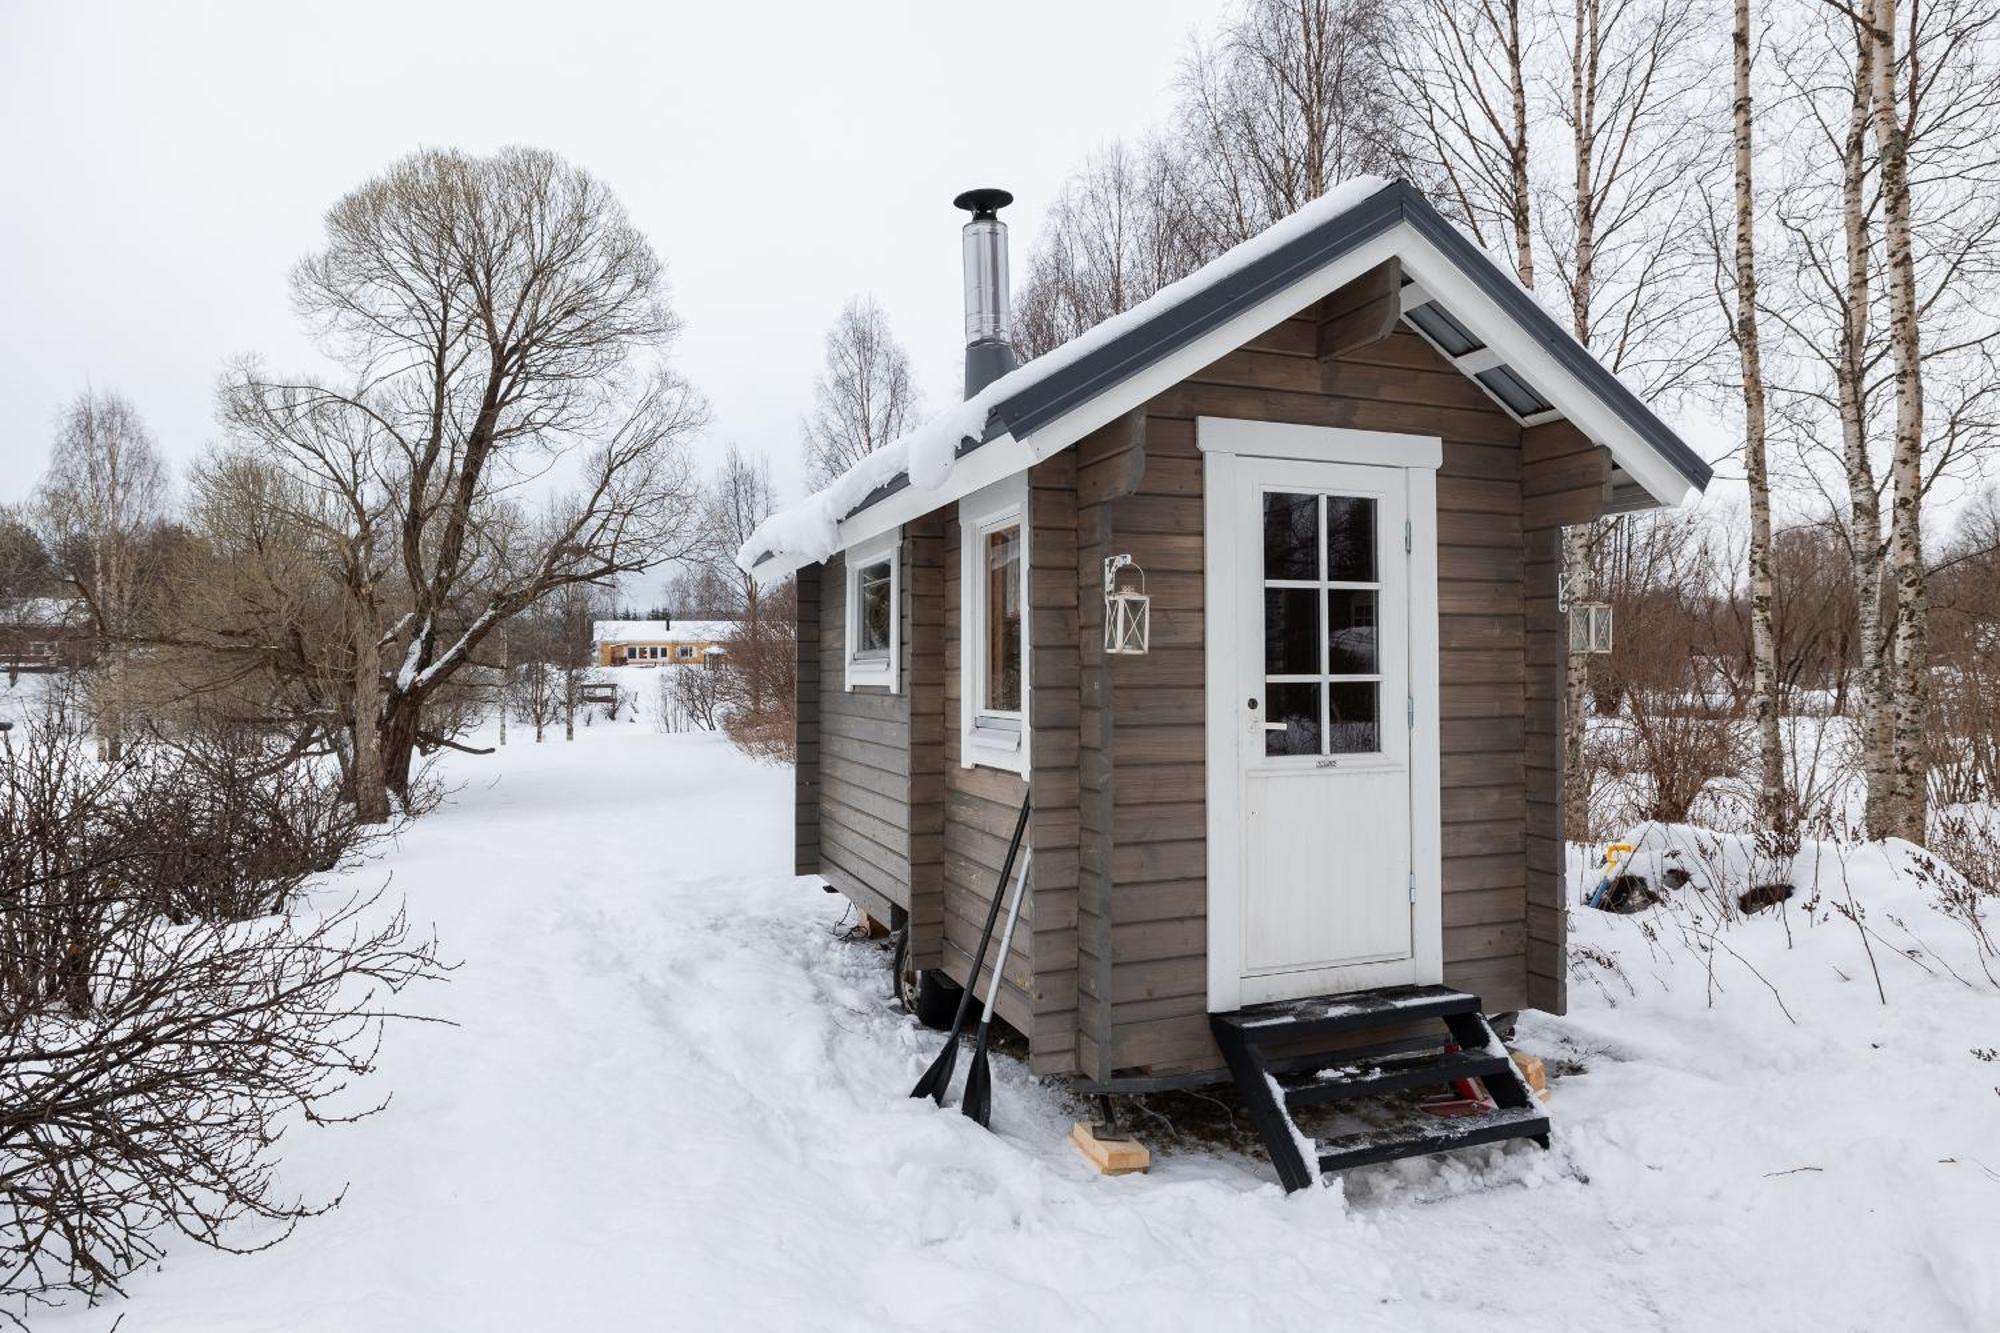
(980, 807)
(805, 771)
(863, 762)
(1109, 974)
(1142, 937)
(1563, 477)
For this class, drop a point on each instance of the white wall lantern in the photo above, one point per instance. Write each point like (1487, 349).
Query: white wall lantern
(1128, 611)
(1590, 627)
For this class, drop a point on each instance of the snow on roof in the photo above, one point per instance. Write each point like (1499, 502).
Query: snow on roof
(1048, 404)
(660, 631)
(809, 529)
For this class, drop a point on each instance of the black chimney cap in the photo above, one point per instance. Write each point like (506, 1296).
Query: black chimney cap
(983, 203)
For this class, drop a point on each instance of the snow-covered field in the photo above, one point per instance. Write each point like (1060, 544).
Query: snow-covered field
(675, 1099)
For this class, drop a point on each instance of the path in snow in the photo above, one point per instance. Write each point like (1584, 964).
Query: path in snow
(675, 1100)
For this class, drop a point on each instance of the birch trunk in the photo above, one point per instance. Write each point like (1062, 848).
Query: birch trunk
(1517, 152)
(1578, 541)
(1911, 703)
(1772, 807)
(1863, 497)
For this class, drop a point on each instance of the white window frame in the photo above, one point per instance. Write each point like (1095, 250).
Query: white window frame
(870, 672)
(990, 739)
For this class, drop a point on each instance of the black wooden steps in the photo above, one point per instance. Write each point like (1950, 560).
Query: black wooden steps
(1393, 1078)
(1367, 1149)
(1260, 1044)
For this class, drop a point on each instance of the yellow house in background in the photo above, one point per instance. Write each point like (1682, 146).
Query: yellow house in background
(659, 642)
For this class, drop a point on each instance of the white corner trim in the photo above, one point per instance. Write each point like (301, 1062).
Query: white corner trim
(1481, 316)
(1317, 444)
(988, 740)
(876, 673)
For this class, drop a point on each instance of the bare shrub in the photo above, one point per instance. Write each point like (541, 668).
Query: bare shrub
(225, 829)
(690, 697)
(156, 1035)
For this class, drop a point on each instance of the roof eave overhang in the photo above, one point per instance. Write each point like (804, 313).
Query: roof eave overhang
(1054, 411)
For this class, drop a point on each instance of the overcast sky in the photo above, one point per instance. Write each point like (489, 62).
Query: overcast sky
(165, 164)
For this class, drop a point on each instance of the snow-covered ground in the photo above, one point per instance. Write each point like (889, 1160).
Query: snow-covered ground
(675, 1099)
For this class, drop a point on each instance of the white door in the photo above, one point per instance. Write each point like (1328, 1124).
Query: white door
(1313, 562)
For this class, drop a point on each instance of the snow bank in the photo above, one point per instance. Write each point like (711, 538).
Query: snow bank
(927, 455)
(675, 1096)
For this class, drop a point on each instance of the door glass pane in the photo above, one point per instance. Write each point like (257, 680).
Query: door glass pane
(1350, 539)
(1003, 620)
(1353, 721)
(1350, 632)
(1291, 631)
(1291, 536)
(1297, 706)
(871, 594)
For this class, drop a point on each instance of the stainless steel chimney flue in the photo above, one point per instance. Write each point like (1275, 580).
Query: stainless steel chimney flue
(989, 334)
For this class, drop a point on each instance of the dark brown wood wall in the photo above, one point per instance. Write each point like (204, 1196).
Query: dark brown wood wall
(805, 705)
(980, 807)
(1563, 476)
(863, 762)
(1142, 976)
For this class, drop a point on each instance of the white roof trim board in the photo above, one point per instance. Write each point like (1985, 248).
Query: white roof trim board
(1055, 400)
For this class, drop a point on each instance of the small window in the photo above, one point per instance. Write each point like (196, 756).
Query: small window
(684, 651)
(993, 659)
(874, 594)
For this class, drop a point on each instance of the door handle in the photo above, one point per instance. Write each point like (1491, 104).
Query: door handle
(1277, 726)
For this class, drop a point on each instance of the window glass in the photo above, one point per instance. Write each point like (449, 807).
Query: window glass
(1350, 631)
(1291, 631)
(1003, 620)
(1326, 631)
(1291, 535)
(1351, 717)
(1350, 539)
(1296, 706)
(873, 612)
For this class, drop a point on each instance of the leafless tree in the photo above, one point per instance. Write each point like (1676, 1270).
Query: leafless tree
(863, 399)
(1291, 98)
(1870, 320)
(503, 321)
(1465, 63)
(100, 504)
(1118, 232)
(1773, 807)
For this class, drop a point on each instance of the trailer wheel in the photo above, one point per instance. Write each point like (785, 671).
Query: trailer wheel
(928, 995)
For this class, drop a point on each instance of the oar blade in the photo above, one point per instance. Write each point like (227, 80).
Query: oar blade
(937, 1078)
(977, 1102)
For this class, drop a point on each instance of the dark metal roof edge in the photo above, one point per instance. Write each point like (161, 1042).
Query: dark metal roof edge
(1570, 354)
(1102, 368)
(1098, 371)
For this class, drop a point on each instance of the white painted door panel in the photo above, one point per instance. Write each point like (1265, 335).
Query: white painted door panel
(1322, 685)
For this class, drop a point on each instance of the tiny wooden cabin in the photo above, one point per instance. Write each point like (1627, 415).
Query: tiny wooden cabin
(1325, 796)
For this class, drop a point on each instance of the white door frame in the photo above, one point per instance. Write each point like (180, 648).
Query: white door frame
(1222, 441)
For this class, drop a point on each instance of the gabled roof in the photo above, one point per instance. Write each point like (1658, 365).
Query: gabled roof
(1517, 352)
(659, 631)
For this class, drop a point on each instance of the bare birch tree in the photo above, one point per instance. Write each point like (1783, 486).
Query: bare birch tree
(101, 501)
(1465, 63)
(1293, 97)
(864, 398)
(1773, 807)
(1117, 232)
